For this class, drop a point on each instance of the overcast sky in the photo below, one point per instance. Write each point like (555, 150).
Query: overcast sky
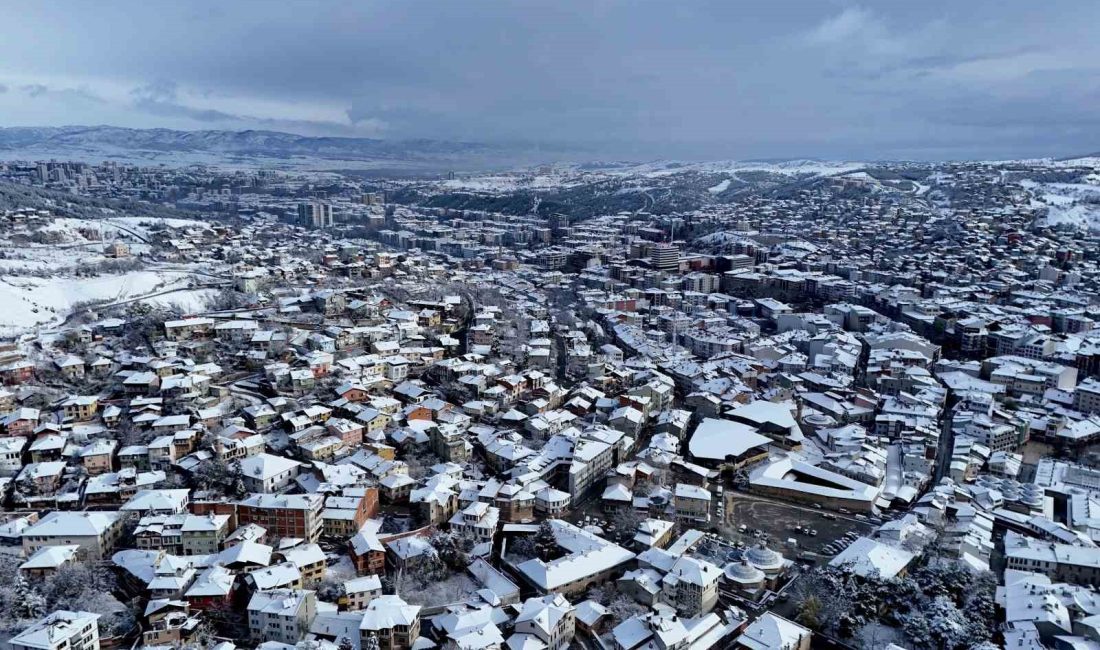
(675, 78)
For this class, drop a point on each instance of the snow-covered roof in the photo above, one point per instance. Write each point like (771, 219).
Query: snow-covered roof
(716, 439)
(770, 632)
(867, 557)
(588, 554)
(73, 524)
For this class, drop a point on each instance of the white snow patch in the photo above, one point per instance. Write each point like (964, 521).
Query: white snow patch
(1075, 204)
(787, 167)
(719, 188)
(187, 300)
(31, 302)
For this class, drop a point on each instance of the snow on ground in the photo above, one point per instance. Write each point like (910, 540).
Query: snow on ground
(17, 260)
(33, 302)
(141, 225)
(187, 300)
(456, 588)
(787, 167)
(1075, 204)
(343, 569)
(509, 182)
(719, 188)
(721, 238)
(109, 228)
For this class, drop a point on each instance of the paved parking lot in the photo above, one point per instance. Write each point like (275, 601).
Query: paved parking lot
(778, 520)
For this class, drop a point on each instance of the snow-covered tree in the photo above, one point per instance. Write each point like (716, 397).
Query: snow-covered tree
(371, 642)
(546, 544)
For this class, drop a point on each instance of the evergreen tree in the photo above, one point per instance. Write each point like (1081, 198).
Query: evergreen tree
(546, 544)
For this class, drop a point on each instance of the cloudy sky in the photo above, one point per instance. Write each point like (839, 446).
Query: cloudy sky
(689, 79)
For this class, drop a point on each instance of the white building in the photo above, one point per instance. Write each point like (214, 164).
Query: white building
(691, 586)
(61, 630)
(96, 533)
(282, 615)
(550, 620)
(268, 473)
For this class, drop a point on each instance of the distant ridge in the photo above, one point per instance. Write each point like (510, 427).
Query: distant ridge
(259, 143)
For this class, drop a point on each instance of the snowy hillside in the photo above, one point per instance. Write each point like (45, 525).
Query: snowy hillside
(1072, 204)
(51, 265)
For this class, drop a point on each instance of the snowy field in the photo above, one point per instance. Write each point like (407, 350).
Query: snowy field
(512, 182)
(1074, 204)
(787, 167)
(719, 188)
(40, 284)
(31, 302)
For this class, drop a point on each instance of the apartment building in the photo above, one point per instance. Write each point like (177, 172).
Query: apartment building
(282, 615)
(691, 586)
(284, 515)
(61, 630)
(96, 533)
(393, 622)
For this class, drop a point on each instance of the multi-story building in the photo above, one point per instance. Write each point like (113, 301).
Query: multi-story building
(345, 514)
(476, 521)
(267, 472)
(315, 214)
(1062, 562)
(691, 586)
(203, 534)
(665, 257)
(96, 533)
(360, 591)
(692, 504)
(284, 515)
(1086, 397)
(282, 615)
(61, 630)
(549, 620)
(393, 622)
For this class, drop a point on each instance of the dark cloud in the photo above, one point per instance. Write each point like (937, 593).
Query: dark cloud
(64, 94)
(706, 78)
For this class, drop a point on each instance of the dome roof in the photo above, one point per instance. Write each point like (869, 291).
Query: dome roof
(764, 558)
(743, 573)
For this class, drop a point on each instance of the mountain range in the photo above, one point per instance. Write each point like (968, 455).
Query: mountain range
(247, 148)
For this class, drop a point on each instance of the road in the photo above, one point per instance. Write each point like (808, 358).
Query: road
(943, 454)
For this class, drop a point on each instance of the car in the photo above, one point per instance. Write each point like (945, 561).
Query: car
(813, 533)
(829, 515)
